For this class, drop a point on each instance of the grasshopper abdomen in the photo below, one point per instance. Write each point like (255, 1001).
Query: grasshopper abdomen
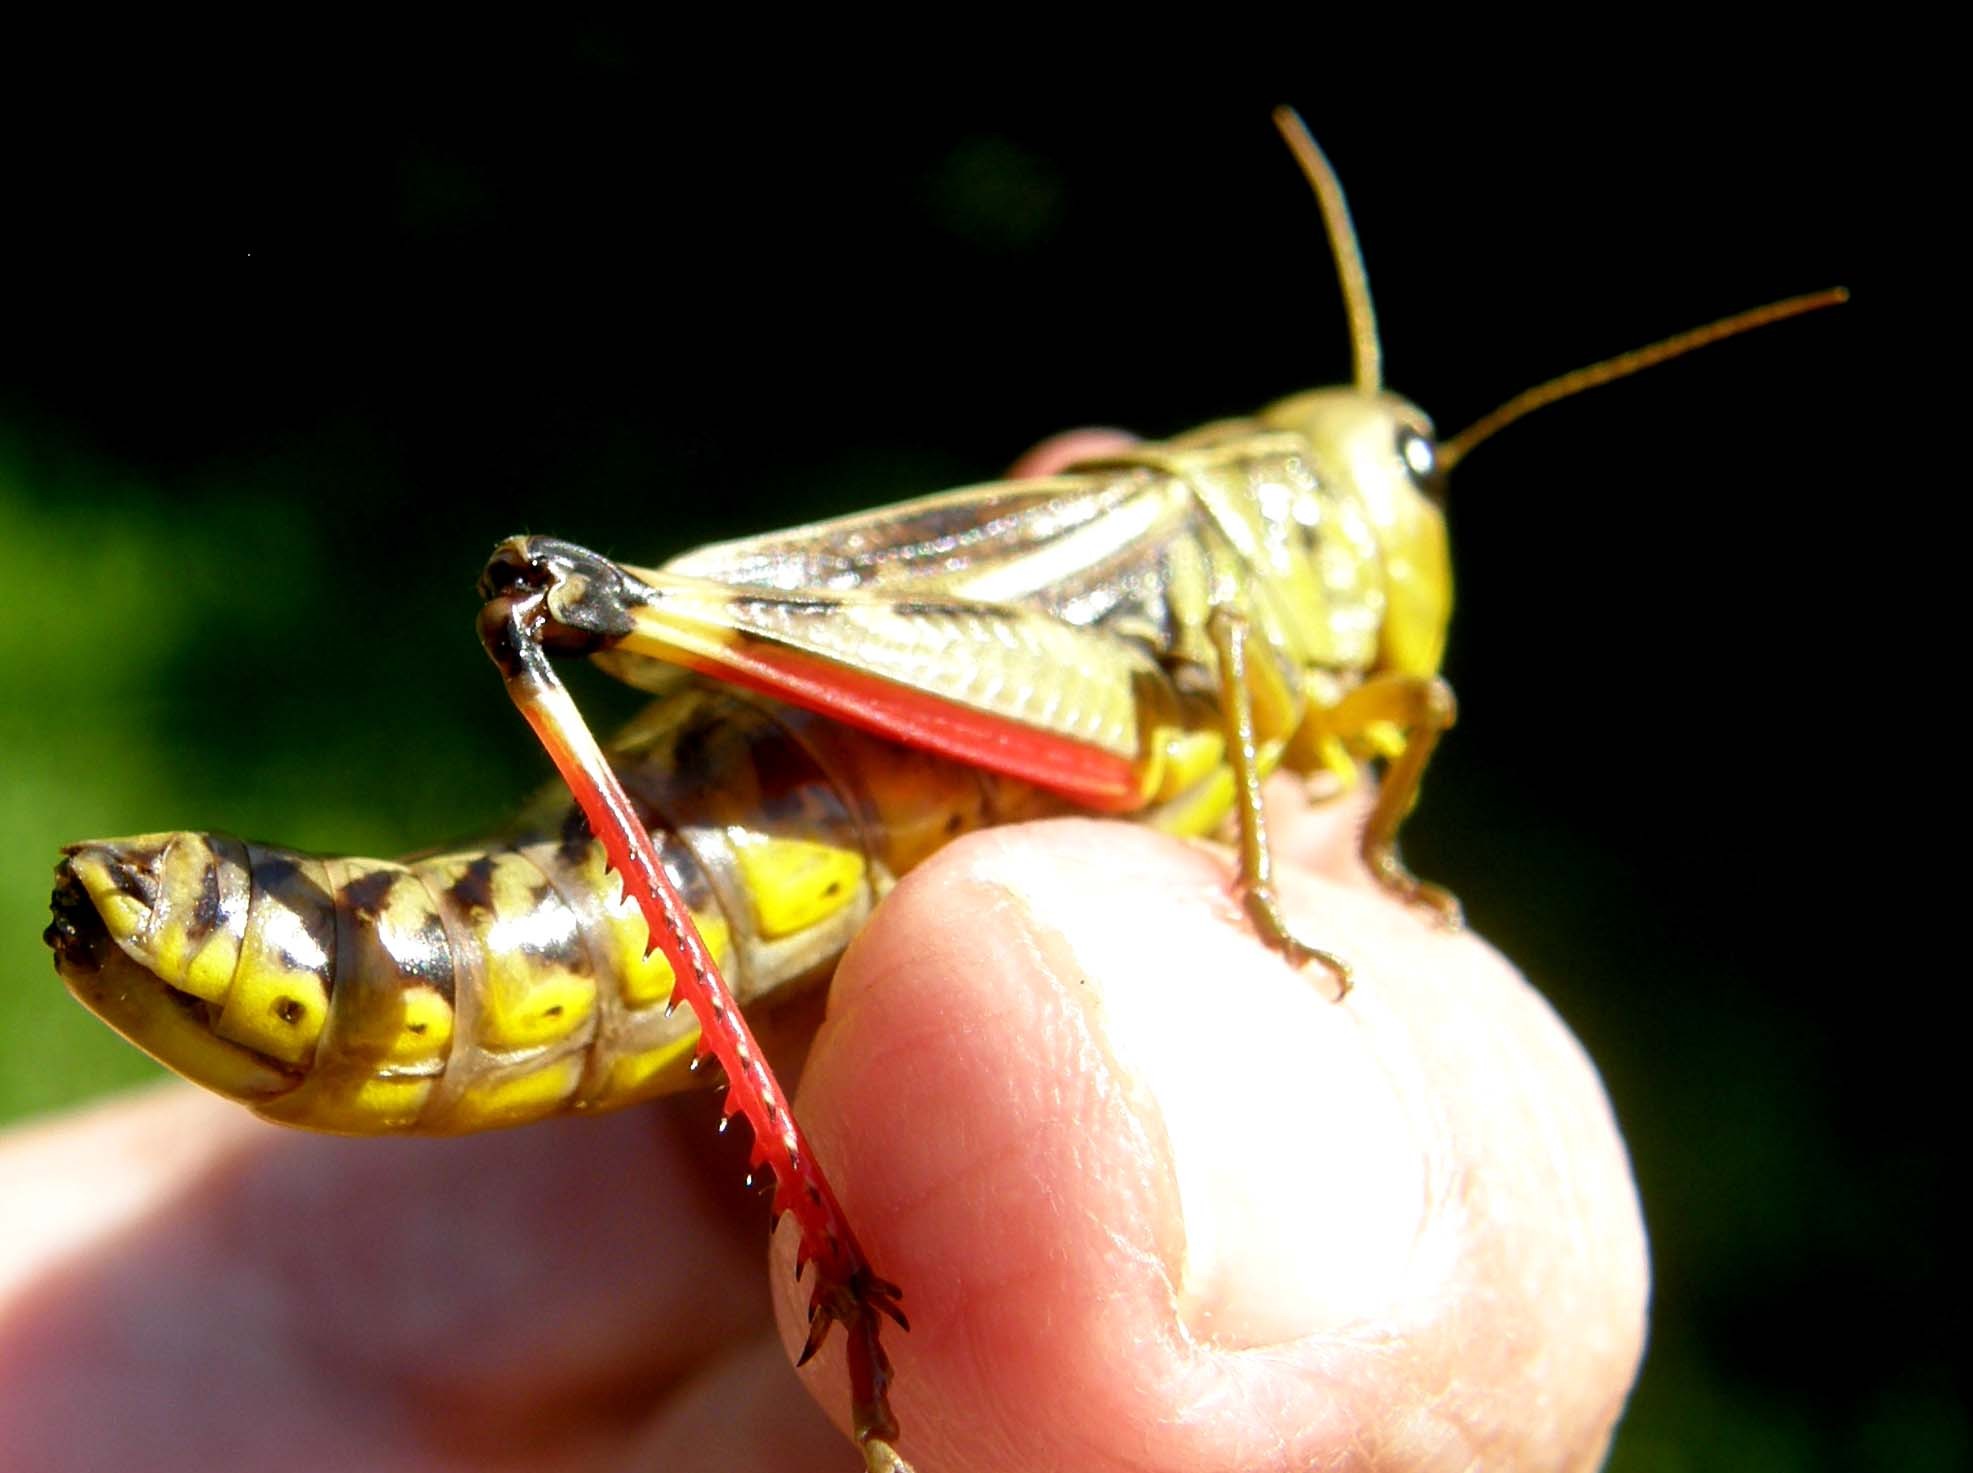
(504, 982)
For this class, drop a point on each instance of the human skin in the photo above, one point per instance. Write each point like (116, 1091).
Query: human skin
(1159, 1203)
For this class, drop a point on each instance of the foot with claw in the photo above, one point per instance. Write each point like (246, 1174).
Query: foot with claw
(1274, 930)
(1391, 875)
(856, 1304)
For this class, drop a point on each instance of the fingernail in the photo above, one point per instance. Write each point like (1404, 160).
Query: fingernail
(1298, 1167)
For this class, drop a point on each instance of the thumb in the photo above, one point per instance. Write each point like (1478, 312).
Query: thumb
(1158, 1202)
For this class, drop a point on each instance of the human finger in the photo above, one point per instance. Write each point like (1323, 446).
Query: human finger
(258, 1296)
(1058, 452)
(1158, 1203)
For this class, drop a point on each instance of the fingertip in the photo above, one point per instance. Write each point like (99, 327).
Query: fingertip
(1317, 830)
(1059, 452)
(953, 1062)
(1062, 1082)
(1134, 1170)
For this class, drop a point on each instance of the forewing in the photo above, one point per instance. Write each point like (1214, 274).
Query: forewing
(983, 624)
(930, 541)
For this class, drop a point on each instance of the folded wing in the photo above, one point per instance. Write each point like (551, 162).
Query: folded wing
(980, 624)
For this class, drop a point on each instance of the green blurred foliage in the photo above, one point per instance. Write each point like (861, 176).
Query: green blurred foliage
(163, 671)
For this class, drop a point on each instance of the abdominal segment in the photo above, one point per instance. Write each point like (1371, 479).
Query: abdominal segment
(510, 981)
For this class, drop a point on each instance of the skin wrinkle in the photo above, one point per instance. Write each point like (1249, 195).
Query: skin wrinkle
(1450, 1219)
(882, 978)
(903, 1055)
(1150, 1145)
(1217, 1387)
(1142, 1107)
(1538, 1276)
(1375, 1039)
(1052, 956)
(1213, 1396)
(1073, 1093)
(987, 1166)
(1078, 1005)
(1451, 1206)
(1440, 1227)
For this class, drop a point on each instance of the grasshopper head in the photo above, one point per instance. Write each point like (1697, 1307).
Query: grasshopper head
(1379, 450)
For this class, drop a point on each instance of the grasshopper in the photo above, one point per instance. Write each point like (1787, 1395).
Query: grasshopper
(1148, 635)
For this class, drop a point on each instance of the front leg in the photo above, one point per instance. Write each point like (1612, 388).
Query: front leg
(1229, 631)
(1423, 709)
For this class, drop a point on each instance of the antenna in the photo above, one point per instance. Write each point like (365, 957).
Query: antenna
(1367, 356)
(1459, 446)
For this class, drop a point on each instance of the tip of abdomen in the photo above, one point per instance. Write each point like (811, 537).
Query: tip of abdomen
(107, 901)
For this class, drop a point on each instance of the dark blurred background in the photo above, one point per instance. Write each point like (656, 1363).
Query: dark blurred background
(290, 345)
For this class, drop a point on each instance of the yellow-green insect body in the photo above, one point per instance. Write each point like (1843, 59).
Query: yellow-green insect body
(501, 983)
(1148, 635)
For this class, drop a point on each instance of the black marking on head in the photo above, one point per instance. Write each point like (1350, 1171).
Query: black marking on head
(289, 1011)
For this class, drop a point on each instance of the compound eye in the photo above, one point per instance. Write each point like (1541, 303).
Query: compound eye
(1421, 459)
